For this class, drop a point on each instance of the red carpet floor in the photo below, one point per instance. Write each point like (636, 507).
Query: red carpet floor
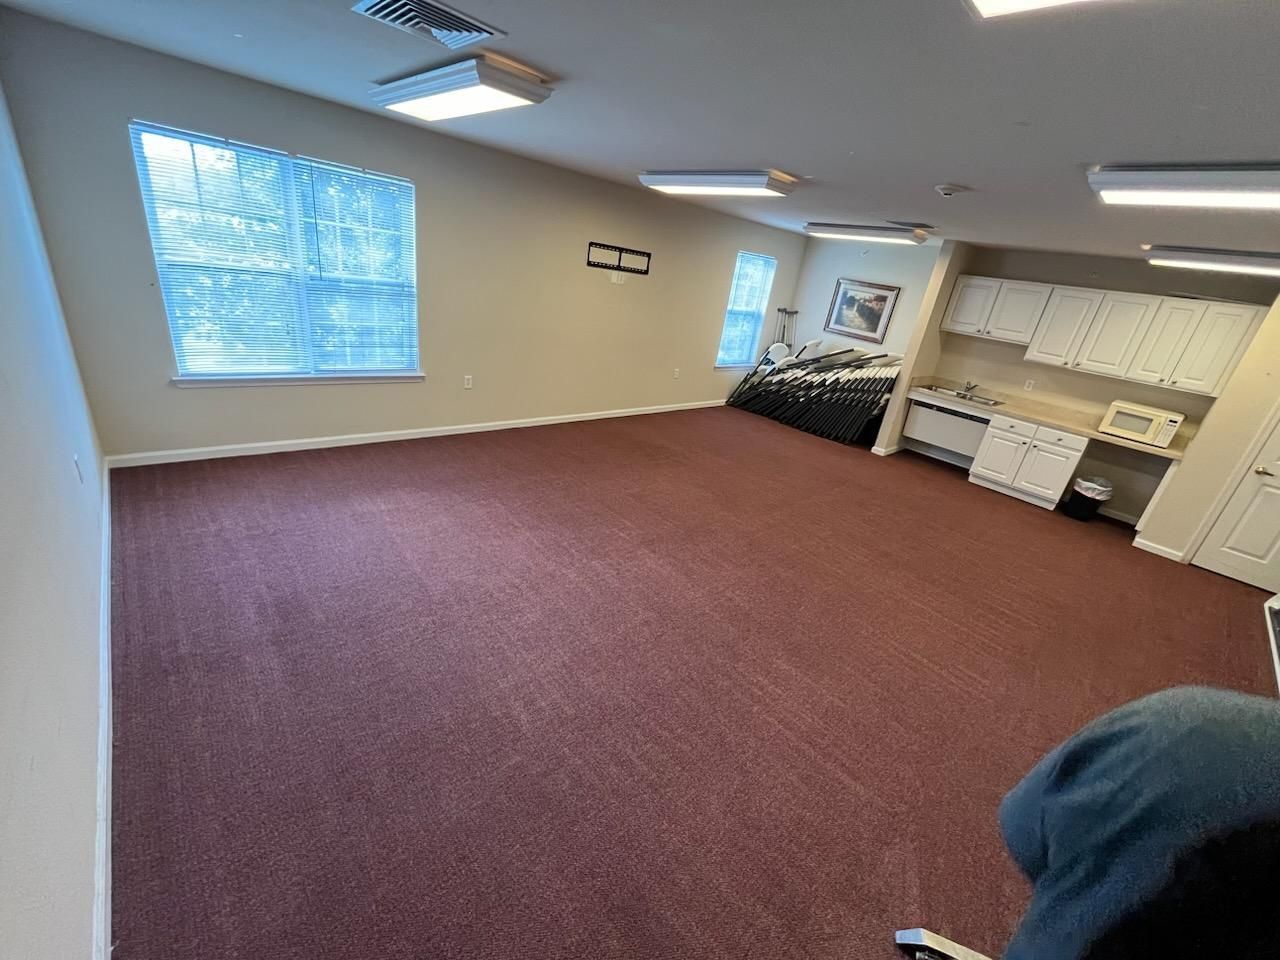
(693, 685)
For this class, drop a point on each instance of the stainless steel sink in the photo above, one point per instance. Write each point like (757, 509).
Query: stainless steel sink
(961, 395)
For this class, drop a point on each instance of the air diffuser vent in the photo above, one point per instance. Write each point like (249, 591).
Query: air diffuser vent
(425, 18)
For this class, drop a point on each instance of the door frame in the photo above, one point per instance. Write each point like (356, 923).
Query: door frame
(1239, 474)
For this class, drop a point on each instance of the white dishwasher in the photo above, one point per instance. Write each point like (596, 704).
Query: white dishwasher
(948, 429)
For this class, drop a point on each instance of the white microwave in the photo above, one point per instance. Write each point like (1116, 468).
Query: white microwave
(1142, 424)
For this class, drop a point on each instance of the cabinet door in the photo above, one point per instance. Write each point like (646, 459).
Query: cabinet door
(1017, 311)
(970, 306)
(1000, 456)
(1165, 340)
(1112, 341)
(1216, 347)
(1066, 318)
(1046, 470)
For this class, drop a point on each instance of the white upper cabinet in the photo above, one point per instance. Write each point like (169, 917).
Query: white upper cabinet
(1165, 340)
(1216, 347)
(1115, 334)
(971, 304)
(1175, 342)
(1017, 311)
(1066, 318)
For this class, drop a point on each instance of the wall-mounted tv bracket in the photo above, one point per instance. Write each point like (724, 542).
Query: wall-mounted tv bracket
(608, 257)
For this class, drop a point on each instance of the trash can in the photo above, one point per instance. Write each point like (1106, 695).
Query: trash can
(1088, 494)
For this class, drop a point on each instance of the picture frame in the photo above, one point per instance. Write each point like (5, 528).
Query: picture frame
(861, 309)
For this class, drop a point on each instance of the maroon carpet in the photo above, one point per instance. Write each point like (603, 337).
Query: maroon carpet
(691, 686)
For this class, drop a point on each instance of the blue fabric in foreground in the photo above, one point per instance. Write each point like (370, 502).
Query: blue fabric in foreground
(1098, 824)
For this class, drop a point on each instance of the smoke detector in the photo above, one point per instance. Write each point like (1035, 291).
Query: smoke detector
(951, 189)
(425, 18)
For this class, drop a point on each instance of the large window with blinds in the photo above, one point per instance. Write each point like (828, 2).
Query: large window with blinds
(273, 265)
(744, 318)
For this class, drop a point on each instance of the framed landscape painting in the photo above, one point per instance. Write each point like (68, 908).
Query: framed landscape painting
(861, 310)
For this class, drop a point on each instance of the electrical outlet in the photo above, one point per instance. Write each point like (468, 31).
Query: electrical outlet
(1029, 385)
(466, 382)
(79, 472)
(676, 375)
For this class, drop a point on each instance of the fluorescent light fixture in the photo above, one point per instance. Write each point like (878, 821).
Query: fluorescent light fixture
(720, 183)
(1218, 261)
(841, 231)
(479, 85)
(1231, 187)
(999, 8)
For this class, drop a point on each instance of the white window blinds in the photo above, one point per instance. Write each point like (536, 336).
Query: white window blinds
(748, 300)
(273, 265)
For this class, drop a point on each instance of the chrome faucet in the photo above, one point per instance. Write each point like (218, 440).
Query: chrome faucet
(969, 387)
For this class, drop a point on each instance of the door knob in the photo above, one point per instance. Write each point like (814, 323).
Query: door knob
(1263, 472)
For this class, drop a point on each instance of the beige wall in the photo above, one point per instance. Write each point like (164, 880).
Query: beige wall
(1116, 273)
(827, 261)
(924, 344)
(50, 578)
(1216, 462)
(1000, 366)
(504, 294)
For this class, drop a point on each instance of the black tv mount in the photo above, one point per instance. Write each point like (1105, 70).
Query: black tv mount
(606, 256)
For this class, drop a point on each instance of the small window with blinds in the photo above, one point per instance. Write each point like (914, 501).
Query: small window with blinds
(744, 317)
(276, 266)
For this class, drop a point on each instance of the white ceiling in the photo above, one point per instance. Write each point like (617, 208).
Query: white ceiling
(875, 100)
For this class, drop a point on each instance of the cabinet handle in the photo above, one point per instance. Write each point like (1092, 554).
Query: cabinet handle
(1162, 379)
(1077, 363)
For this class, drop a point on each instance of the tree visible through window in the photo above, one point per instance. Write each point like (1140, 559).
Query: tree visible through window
(748, 300)
(272, 265)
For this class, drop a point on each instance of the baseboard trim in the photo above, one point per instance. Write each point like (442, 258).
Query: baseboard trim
(1167, 552)
(1128, 518)
(885, 451)
(102, 838)
(352, 439)
(1274, 637)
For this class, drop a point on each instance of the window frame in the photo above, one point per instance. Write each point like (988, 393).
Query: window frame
(296, 223)
(728, 310)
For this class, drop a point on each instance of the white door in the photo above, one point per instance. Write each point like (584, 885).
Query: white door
(1165, 340)
(1216, 347)
(1000, 456)
(1245, 542)
(1066, 318)
(1046, 470)
(970, 306)
(1017, 311)
(1113, 338)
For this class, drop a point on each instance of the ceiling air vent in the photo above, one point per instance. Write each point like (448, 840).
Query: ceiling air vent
(433, 20)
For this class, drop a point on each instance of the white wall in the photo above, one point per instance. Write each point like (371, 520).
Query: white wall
(1217, 460)
(504, 293)
(827, 261)
(50, 577)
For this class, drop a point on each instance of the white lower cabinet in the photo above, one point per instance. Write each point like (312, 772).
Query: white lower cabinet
(1000, 456)
(1046, 470)
(1027, 461)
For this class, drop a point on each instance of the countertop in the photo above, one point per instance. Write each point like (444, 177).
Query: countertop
(1073, 420)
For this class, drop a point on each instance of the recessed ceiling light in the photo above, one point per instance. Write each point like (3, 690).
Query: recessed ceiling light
(1218, 261)
(720, 183)
(1231, 187)
(843, 231)
(999, 8)
(479, 85)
